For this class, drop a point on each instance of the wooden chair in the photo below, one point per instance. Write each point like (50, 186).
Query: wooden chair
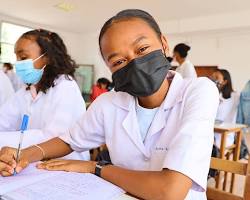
(231, 167)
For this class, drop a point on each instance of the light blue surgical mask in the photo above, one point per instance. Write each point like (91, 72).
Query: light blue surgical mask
(27, 72)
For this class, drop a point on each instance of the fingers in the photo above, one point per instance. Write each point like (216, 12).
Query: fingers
(52, 162)
(21, 165)
(58, 167)
(4, 173)
(8, 159)
(6, 170)
(7, 155)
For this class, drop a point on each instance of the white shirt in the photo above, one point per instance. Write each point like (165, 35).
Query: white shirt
(145, 118)
(186, 69)
(180, 137)
(227, 112)
(50, 114)
(6, 89)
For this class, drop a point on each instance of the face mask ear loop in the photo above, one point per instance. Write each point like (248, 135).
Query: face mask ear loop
(38, 57)
(43, 67)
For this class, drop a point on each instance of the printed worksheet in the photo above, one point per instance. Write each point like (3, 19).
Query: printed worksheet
(33, 183)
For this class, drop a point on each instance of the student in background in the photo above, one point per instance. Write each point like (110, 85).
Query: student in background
(157, 126)
(185, 68)
(51, 97)
(101, 87)
(243, 116)
(15, 80)
(6, 89)
(229, 100)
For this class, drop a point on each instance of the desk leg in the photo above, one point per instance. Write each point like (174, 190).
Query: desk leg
(222, 156)
(236, 155)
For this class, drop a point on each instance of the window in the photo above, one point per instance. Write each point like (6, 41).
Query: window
(9, 35)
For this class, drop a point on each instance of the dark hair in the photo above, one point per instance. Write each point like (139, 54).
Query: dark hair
(59, 61)
(9, 66)
(130, 14)
(228, 88)
(182, 49)
(103, 81)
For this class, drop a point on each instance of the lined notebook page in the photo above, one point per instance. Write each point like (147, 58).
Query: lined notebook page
(73, 186)
(28, 176)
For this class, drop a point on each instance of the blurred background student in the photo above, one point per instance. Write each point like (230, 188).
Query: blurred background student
(102, 85)
(6, 89)
(185, 68)
(15, 80)
(51, 98)
(229, 101)
(243, 117)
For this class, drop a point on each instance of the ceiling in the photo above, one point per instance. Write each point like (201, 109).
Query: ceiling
(88, 16)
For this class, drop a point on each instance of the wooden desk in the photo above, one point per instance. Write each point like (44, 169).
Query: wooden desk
(224, 129)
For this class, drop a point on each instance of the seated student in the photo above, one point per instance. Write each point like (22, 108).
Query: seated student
(101, 87)
(186, 68)
(243, 117)
(229, 101)
(6, 89)
(15, 80)
(158, 127)
(51, 97)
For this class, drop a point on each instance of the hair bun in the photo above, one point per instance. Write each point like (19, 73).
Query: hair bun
(187, 47)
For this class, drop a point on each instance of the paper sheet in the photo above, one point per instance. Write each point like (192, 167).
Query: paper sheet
(28, 176)
(73, 186)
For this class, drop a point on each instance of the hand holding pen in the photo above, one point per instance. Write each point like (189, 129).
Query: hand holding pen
(23, 128)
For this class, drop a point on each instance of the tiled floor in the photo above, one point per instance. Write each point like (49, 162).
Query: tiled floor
(239, 180)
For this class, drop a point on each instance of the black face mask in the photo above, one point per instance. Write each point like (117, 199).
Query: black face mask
(142, 76)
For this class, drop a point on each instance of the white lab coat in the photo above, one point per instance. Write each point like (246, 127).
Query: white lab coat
(15, 80)
(186, 69)
(180, 137)
(6, 89)
(227, 112)
(50, 114)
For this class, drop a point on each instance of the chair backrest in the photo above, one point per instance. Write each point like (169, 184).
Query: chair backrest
(231, 167)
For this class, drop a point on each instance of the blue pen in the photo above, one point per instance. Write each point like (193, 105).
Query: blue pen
(23, 128)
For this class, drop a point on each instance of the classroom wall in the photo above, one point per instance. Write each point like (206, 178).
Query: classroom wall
(70, 39)
(221, 40)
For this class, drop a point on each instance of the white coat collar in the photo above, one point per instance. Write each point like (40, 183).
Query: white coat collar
(127, 102)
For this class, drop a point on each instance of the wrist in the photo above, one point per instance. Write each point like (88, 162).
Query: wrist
(100, 165)
(93, 166)
(32, 154)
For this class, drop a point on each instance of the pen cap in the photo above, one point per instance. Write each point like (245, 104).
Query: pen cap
(25, 122)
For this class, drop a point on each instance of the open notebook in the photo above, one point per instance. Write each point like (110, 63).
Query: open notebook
(33, 184)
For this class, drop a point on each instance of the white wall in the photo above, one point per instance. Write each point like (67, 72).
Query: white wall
(226, 51)
(71, 39)
(222, 40)
(91, 54)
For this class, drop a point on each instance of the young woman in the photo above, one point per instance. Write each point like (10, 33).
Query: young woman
(158, 127)
(51, 97)
(186, 68)
(229, 101)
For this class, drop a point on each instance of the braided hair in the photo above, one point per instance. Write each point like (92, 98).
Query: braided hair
(59, 62)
